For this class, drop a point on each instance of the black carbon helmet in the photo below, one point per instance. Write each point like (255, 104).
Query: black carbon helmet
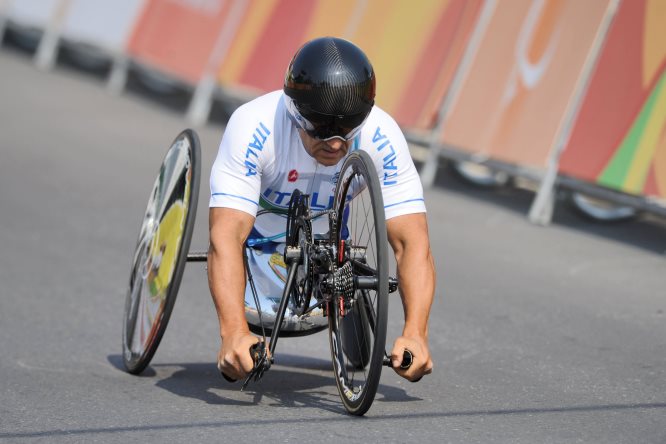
(331, 84)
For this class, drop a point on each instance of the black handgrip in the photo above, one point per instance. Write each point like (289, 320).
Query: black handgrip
(256, 351)
(261, 363)
(224, 375)
(228, 378)
(407, 359)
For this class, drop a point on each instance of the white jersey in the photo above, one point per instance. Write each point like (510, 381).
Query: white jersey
(262, 160)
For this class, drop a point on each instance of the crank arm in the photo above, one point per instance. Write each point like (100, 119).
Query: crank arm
(260, 355)
(261, 363)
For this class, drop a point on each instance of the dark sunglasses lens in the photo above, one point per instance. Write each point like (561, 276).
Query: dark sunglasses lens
(327, 132)
(326, 127)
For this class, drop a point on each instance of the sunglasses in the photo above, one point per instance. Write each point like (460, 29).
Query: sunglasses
(325, 126)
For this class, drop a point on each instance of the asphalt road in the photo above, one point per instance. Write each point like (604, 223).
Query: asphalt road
(553, 334)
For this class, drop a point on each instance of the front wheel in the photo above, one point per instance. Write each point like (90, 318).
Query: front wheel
(357, 319)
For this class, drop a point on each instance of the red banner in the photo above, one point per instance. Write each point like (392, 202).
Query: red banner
(178, 36)
(619, 139)
(520, 85)
(414, 50)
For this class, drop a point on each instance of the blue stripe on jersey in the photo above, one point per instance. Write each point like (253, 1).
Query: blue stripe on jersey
(356, 144)
(404, 201)
(237, 197)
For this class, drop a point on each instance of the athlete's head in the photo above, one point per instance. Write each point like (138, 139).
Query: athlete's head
(330, 89)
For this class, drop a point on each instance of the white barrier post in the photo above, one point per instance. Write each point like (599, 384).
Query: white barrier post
(99, 31)
(541, 211)
(4, 6)
(48, 46)
(356, 18)
(118, 75)
(430, 167)
(202, 100)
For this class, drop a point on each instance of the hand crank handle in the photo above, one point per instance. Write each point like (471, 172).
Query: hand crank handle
(407, 359)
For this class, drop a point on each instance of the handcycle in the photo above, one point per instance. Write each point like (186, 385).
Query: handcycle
(338, 280)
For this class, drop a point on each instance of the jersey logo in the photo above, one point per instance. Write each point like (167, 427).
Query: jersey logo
(256, 145)
(385, 147)
(278, 198)
(293, 176)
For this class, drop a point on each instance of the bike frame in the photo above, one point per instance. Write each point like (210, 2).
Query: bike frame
(326, 283)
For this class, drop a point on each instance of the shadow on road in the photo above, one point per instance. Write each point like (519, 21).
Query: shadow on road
(117, 362)
(293, 381)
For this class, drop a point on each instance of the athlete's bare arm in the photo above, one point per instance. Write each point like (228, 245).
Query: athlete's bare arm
(408, 235)
(229, 228)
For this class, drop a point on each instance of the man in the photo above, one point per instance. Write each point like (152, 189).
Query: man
(291, 139)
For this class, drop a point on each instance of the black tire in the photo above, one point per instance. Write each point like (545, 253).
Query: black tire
(156, 82)
(599, 210)
(479, 175)
(161, 251)
(357, 343)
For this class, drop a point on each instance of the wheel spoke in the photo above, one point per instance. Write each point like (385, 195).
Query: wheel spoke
(367, 305)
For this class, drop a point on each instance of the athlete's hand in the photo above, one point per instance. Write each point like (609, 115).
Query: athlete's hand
(234, 359)
(421, 361)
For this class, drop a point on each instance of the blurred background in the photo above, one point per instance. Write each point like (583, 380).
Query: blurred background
(564, 94)
(538, 128)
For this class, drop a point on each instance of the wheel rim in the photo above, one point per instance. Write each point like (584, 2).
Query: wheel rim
(160, 253)
(358, 334)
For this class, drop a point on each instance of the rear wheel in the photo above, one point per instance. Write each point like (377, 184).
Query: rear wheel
(161, 252)
(357, 320)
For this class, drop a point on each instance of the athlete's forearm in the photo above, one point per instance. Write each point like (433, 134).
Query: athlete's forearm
(416, 270)
(226, 270)
(226, 279)
(416, 277)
